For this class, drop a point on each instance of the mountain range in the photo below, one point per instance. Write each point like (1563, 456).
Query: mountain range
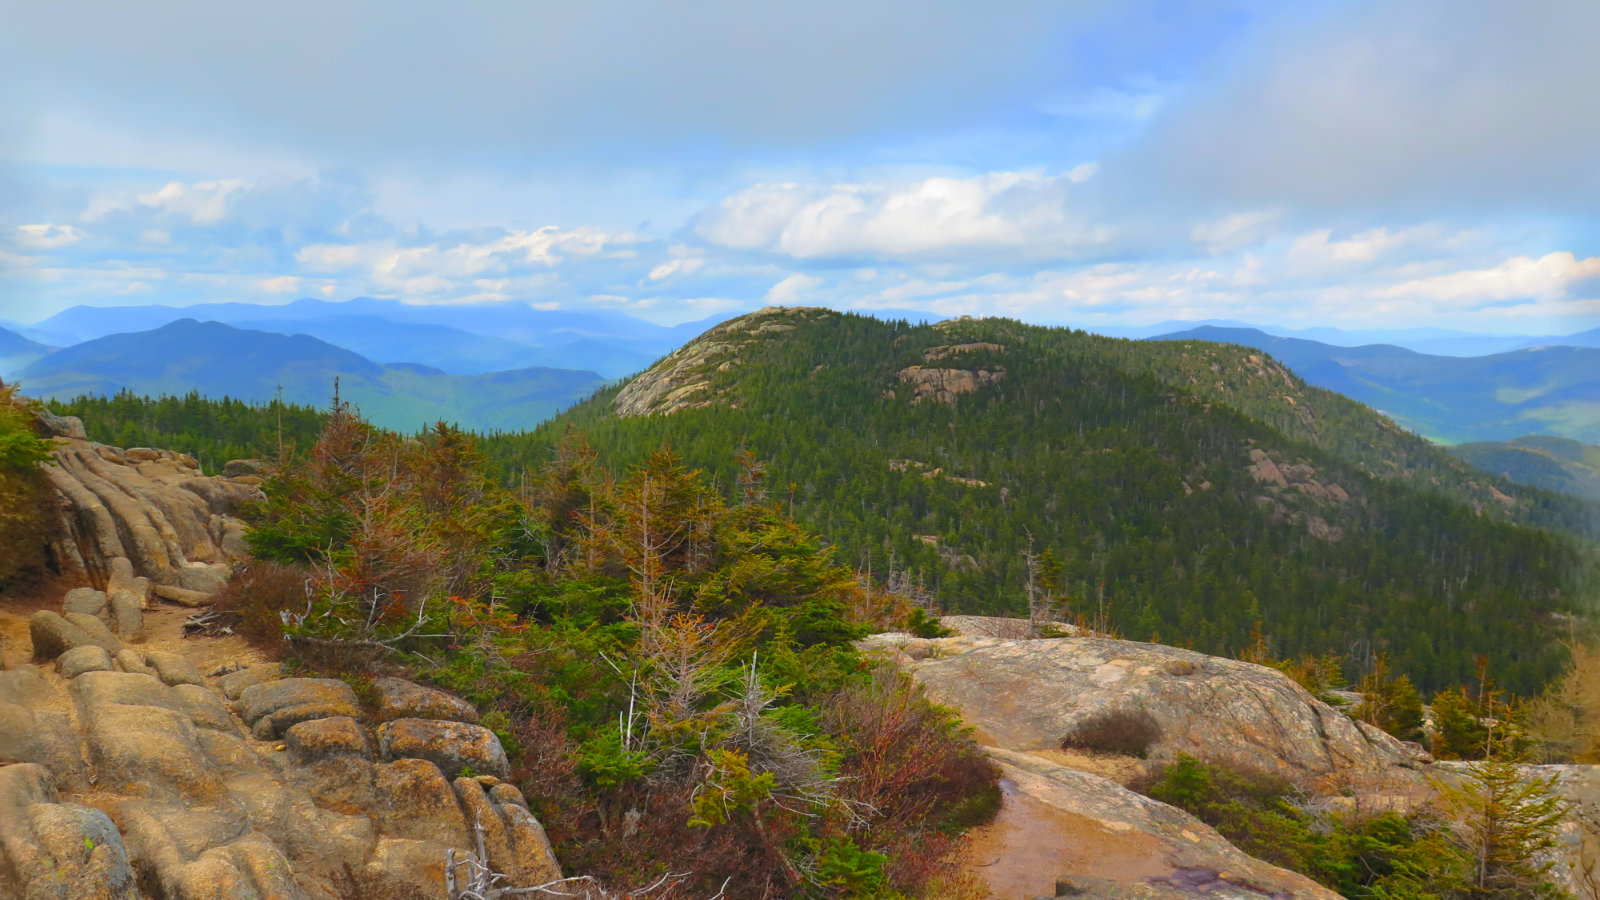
(1543, 390)
(1436, 341)
(465, 339)
(224, 361)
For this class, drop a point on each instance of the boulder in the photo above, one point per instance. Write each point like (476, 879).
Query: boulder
(48, 424)
(319, 739)
(234, 683)
(452, 746)
(515, 841)
(172, 668)
(87, 601)
(53, 635)
(234, 468)
(418, 803)
(87, 658)
(272, 707)
(57, 850)
(132, 661)
(140, 740)
(181, 596)
(401, 699)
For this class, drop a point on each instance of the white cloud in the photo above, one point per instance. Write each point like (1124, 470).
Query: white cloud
(791, 289)
(687, 265)
(283, 284)
(436, 269)
(204, 203)
(46, 237)
(1006, 212)
(1520, 278)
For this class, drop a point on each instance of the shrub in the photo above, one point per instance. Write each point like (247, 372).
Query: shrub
(26, 525)
(1124, 732)
(257, 594)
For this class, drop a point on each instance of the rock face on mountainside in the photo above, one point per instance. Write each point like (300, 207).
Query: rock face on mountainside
(153, 510)
(126, 773)
(1046, 709)
(685, 379)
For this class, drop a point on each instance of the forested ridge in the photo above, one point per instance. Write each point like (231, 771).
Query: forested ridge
(1138, 483)
(1187, 492)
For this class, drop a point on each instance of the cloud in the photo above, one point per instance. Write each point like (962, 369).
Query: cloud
(687, 265)
(750, 73)
(283, 284)
(203, 204)
(434, 270)
(1019, 213)
(791, 289)
(1521, 278)
(46, 237)
(1433, 105)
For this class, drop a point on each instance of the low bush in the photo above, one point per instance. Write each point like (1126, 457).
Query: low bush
(256, 597)
(26, 523)
(1385, 857)
(1123, 732)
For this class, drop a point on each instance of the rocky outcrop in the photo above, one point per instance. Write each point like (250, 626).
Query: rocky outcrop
(1067, 719)
(130, 774)
(1044, 694)
(687, 377)
(944, 385)
(169, 524)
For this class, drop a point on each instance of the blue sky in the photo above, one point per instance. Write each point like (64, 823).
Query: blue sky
(1350, 164)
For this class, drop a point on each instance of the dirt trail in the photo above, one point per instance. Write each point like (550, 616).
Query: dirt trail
(1029, 844)
(163, 630)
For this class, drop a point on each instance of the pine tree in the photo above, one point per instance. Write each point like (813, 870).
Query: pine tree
(1506, 820)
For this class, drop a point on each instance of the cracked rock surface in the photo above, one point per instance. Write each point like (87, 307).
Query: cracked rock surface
(133, 775)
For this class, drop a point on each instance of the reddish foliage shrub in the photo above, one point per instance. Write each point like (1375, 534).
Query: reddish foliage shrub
(917, 768)
(257, 594)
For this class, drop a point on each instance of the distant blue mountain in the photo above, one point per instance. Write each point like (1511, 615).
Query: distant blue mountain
(1549, 390)
(17, 352)
(219, 360)
(464, 339)
(1436, 341)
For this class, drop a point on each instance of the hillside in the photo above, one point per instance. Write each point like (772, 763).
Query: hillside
(1545, 390)
(937, 451)
(221, 361)
(16, 352)
(1552, 463)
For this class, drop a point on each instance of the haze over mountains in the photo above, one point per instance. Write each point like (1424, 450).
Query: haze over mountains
(459, 339)
(220, 360)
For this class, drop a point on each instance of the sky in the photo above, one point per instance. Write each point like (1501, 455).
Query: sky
(1318, 163)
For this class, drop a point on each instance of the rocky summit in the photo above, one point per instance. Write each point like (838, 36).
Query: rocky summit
(136, 763)
(127, 773)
